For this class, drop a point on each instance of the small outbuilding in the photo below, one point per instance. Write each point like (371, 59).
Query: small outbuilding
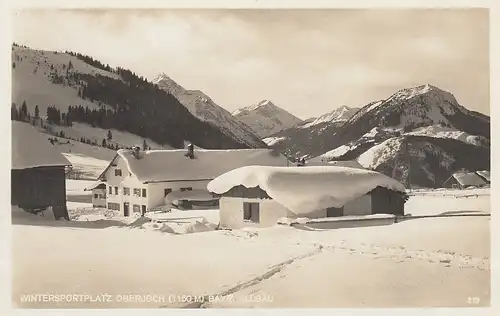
(98, 194)
(464, 179)
(260, 195)
(38, 179)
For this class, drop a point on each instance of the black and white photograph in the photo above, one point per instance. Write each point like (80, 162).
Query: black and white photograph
(227, 158)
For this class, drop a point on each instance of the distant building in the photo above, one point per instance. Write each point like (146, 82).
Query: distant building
(98, 194)
(38, 172)
(138, 181)
(464, 179)
(259, 196)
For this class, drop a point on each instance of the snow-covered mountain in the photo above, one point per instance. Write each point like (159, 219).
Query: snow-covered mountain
(103, 98)
(201, 106)
(423, 129)
(265, 118)
(305, 132)
(340, 115)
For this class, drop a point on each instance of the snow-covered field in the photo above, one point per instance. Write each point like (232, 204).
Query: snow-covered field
(78, 130)
(419, 262)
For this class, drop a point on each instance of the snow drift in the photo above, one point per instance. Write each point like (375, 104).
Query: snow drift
(306, 189)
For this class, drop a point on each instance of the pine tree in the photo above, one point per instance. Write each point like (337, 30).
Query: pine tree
(14, 115)
(37, 112)
(144, 145)
(103, 142)
(70, 65)
(23, 115)
(109, 136)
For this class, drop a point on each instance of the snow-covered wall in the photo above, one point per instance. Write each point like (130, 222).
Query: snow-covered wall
(231, 212)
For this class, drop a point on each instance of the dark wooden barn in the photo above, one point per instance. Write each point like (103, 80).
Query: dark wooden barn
(37, 172)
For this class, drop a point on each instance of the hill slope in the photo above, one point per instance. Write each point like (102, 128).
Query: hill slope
(201, 106)
(265, 118)
(104, 97)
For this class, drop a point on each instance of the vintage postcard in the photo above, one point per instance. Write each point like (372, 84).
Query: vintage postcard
(250, 158)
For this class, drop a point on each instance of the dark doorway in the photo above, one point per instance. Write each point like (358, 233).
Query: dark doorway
(126, 209)
(251, 212)
(334, 211)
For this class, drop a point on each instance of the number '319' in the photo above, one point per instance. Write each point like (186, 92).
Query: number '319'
(473, 300)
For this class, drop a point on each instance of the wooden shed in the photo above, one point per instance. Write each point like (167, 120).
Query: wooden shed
(37, 172)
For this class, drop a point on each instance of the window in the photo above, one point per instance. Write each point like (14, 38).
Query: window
(116, 190)
(137, 192)
(143, 192)
(126, 191)
(96, 196)
(186, 189)
(110, 190)
(167, 191)
(143, 209)
(136, 208)
(118, 172)
(251, 212)
(114, 206)
(335, 211)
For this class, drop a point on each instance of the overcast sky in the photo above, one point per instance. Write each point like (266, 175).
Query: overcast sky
(308, 62)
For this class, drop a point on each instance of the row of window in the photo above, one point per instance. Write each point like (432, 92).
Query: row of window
(167, 191)
(126, 191)
(142, 192)
(135, 208)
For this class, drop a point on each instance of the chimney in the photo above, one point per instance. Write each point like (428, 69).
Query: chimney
(136, 151)
(190, 151)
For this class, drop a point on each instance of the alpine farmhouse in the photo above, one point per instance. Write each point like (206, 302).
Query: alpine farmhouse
(138, 181)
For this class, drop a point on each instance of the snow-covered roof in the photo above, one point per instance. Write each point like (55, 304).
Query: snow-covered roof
(485, 174)
(468, 179)
(194, 195)
(306, 189)
(31, 149)
(346, 163)
(95, 185)
(173, 165)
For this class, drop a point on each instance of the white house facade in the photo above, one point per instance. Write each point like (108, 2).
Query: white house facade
(239, 212)
(138, 181)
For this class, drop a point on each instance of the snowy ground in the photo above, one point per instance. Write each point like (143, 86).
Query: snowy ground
(419, 262)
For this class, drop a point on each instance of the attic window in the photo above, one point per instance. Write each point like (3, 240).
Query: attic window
(118, 172)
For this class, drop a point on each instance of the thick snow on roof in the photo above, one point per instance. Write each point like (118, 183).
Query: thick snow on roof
(485, 174)
(306, 189)
(95, 185)
(31, 149)
(468, 179)
(170, 165)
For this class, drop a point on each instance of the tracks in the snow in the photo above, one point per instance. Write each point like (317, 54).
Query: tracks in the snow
(202, 303)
